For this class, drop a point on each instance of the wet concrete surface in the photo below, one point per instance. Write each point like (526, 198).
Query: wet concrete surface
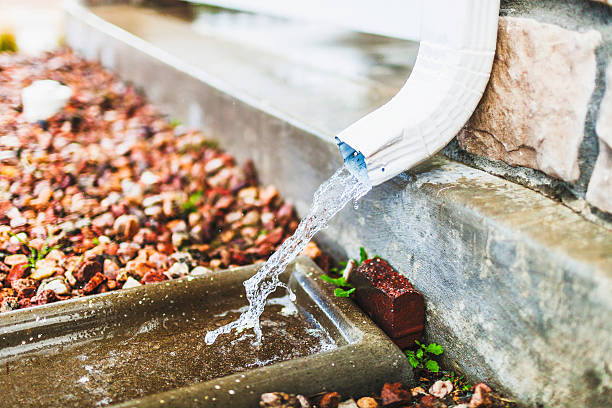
(320, 75)
(151, 350)
(144, 347)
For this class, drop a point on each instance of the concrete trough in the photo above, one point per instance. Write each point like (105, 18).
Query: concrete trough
(143, 347)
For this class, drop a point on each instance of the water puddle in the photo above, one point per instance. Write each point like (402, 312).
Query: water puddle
(330, 198)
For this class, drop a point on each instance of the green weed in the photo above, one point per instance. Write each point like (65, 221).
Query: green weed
(423, 356)
(35, 254)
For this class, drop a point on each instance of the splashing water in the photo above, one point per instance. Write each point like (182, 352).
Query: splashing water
(330, 198)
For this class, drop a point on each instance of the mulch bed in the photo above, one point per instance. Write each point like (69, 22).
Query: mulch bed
(109, 194)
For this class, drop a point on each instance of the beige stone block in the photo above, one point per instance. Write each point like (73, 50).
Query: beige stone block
(534, 108)
(599, 192)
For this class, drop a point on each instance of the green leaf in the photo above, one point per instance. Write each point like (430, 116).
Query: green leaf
(413, 361)
(419, 354)
(339, 292)
(95, 241)
(192, 201)
(432, 366)
(435, 349)
(175, 122)
(362, 254)
(336, 281)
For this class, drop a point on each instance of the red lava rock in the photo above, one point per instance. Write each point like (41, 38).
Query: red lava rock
(262, 250)
(24, 303)
(391, 301)
(46, 296)
(131, 183)
(330, 400)
(7, 292)
(429, 401)
(17, 272)
(273, 237)
(25, 287)
(9, 303)
(112, 284)
(481, 397)
(93, 283)
(284, 214)
(153, 276)
(394, 393)
(87, 270)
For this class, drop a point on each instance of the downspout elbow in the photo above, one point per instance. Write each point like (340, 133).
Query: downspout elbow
(453, 66)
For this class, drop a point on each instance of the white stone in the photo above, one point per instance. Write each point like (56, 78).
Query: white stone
(151, 200)
(57, 285)
(131, 283)
(350, 403)
(44, 268)
(10, 141)
(200, 270)
(176, 270)
(43, 99)
(149, 178)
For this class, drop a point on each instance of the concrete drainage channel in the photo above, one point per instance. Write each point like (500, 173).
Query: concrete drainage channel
(144, 346)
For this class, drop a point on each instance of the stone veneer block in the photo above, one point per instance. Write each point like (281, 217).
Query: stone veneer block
(533, 111)
(599, 192)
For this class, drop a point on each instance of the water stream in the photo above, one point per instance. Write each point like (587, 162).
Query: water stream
(345, 185)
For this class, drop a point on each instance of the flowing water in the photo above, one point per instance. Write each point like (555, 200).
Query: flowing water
(345, 185)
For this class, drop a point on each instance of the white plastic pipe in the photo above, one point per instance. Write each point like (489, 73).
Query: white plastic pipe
(457, 45)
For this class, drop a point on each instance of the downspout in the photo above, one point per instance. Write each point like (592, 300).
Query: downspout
(457, 45)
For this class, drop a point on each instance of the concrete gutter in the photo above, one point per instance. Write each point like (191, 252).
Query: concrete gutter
(517, 286)
(96, 338)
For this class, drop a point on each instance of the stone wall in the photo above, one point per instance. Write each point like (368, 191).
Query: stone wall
(545, 120)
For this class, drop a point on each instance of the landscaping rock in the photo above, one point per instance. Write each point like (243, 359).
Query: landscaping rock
(283, 400)
(367, 402)
(349, 403)
(394, 393)
(16, 259)
(44, 268)
(481, 396)
(87, 270)
(441, 389)
(57, 285)
(131, 283)
(93, 283)
(330, 400)
(532, 113)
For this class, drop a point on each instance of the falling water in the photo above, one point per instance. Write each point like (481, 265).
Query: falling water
(330, 198)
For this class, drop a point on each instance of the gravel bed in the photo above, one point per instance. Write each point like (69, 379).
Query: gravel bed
(110, 194)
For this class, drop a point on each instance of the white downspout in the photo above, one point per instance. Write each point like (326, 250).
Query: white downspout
(457, 45)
